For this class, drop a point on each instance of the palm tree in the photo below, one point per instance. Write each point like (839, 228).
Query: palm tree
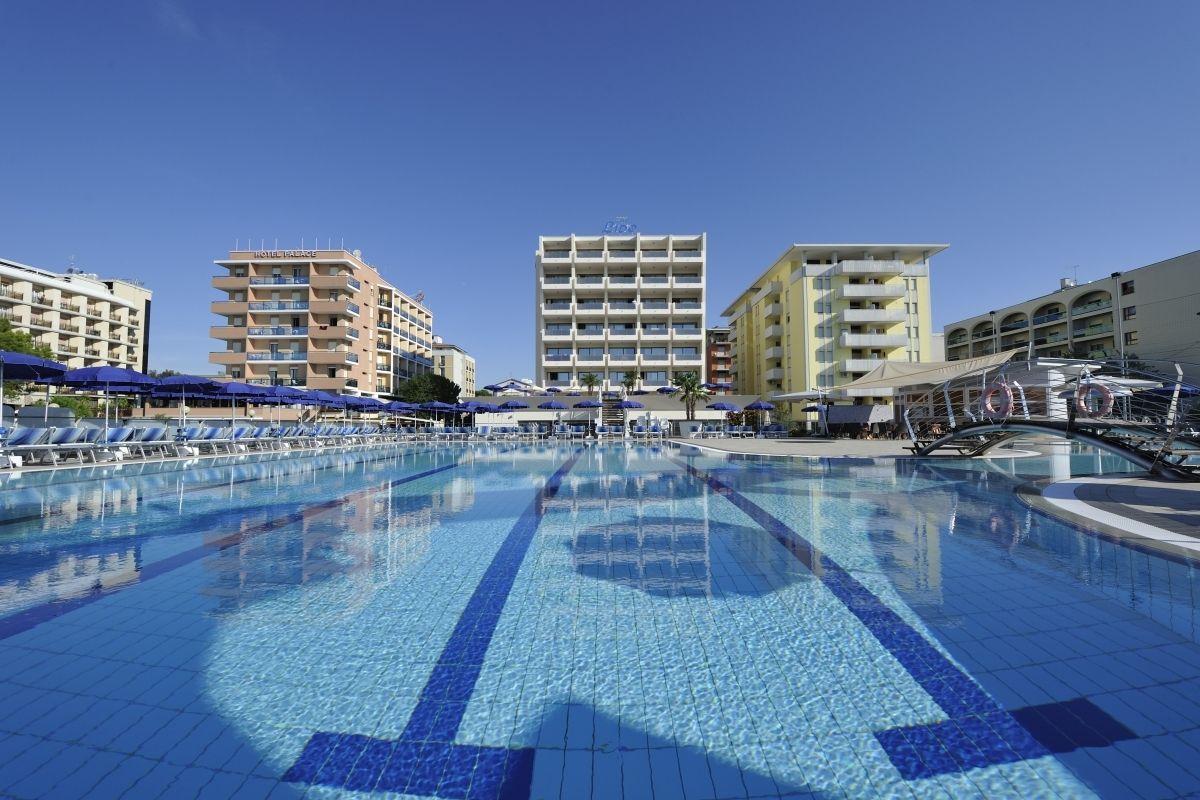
(690, 392)
(590, 381)
(629, 382)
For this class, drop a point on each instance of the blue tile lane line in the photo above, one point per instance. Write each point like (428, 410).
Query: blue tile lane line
(425, 760)
(33, 616)
(980, 732)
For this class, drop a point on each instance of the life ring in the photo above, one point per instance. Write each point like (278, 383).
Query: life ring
(989, 396)
(1081, 398)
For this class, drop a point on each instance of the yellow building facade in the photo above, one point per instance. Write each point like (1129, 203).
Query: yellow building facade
(824, 314)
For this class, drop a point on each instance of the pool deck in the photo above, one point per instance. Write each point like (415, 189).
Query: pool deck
(1165, 515)
(821, 448)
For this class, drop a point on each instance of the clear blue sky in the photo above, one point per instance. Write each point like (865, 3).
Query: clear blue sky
(443, 138)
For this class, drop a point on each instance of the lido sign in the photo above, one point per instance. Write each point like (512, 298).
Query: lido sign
(619, 226)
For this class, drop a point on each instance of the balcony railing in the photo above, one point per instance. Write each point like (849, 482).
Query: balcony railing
(352, 307)
(352, 358)
(557, 280)
(622, 253)
(987, 334)
(655, 280)
(276, 381)
(280, 305)
(686, 306)
(352, 333)
(280, 355)
(557, 254)
(622, 280)
(11, 293)
(687, 253)
(687, 278)
(654, 253)
(277, 330)
(354, 284)
(1051, 317)
(1015, 326)
(558, 356)
(280, 280)
(589, 254)
(1094, 330)
(1088, 308)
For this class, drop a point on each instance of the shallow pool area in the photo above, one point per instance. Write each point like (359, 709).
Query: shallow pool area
(515, 620)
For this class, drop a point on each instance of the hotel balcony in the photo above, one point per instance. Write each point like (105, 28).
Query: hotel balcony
(773, 332)
(326, 384)
(858, 291)
(774, 374)
(873, 340)
(771, 289)
(555, 360)
(687, 361)
(880, 267)
(773, 310)
(1090, 308)
(331, 357)
(860, 364)
(622, 308)
(227, 282)
(340, 307)
(623, 360)
(226, 357)
(556, 337)
(773, 353)
(623, 335)
(226, 332)
(1087, 333)
(872, 315)
(686, 335)
(230, 308)
(590, 309)
(656, 336)
(584, 335)
(621, 281)
(557, 311)
(655, 309)
(275, 331)
(332, 332)
(339, 282)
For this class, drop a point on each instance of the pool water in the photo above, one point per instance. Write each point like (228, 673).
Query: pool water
(584, 621)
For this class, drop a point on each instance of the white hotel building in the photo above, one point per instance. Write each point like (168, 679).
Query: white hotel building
(615, 306)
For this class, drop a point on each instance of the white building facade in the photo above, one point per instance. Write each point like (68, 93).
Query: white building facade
(622, 308)
(85, 320)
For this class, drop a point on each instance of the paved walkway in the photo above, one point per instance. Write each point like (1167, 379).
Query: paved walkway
(827, 448)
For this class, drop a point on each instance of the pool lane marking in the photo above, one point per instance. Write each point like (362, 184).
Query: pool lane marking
(425, 760)
(31, 617)
(979, 731)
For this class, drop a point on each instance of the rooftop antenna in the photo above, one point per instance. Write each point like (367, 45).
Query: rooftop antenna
(343, 242)
(276, 242)
(1075, 274)
(262, 244)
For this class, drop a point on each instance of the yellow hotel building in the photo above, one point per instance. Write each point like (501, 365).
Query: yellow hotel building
(825, 314)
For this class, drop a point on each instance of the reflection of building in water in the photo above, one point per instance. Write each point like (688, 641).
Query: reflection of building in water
(659, 555)
(30, 575)
(31, 579)
(368, 539)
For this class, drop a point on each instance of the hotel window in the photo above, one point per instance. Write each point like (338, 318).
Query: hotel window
(654, 352)
(655, 377)
(1126, 288)
(558, 330)
(332, 372)
(1131, 338)
(591, 353)
(1128, 312)
(553, 354)
(616, 377)
(558, 376)
(686, 352)
(623, 353)
(235, 372)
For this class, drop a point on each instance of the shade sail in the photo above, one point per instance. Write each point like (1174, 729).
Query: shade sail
(899, 374)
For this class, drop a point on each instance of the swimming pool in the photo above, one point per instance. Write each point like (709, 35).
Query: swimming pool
(574, 621)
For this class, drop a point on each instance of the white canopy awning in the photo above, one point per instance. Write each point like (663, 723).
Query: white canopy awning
(901, 374)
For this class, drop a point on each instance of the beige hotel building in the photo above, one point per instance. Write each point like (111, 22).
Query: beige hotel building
(317, 319)
(1150, 313)
(85, 320)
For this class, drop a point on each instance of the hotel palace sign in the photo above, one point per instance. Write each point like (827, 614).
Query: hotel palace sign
(285, 253)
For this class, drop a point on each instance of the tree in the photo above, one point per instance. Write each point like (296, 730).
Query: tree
(690, 392)
(21, 342)
(163, 373)
(482, 393)
(590, 381)
(629, 382)
(427, 388)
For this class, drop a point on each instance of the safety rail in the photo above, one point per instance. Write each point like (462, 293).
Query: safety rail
(1147, 412)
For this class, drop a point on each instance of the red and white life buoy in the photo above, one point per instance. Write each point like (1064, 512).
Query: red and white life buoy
(1085, 391)
(989, 397)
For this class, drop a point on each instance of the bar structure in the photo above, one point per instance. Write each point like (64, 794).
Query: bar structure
(85, 320)
(319, 319)
(618, 307)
